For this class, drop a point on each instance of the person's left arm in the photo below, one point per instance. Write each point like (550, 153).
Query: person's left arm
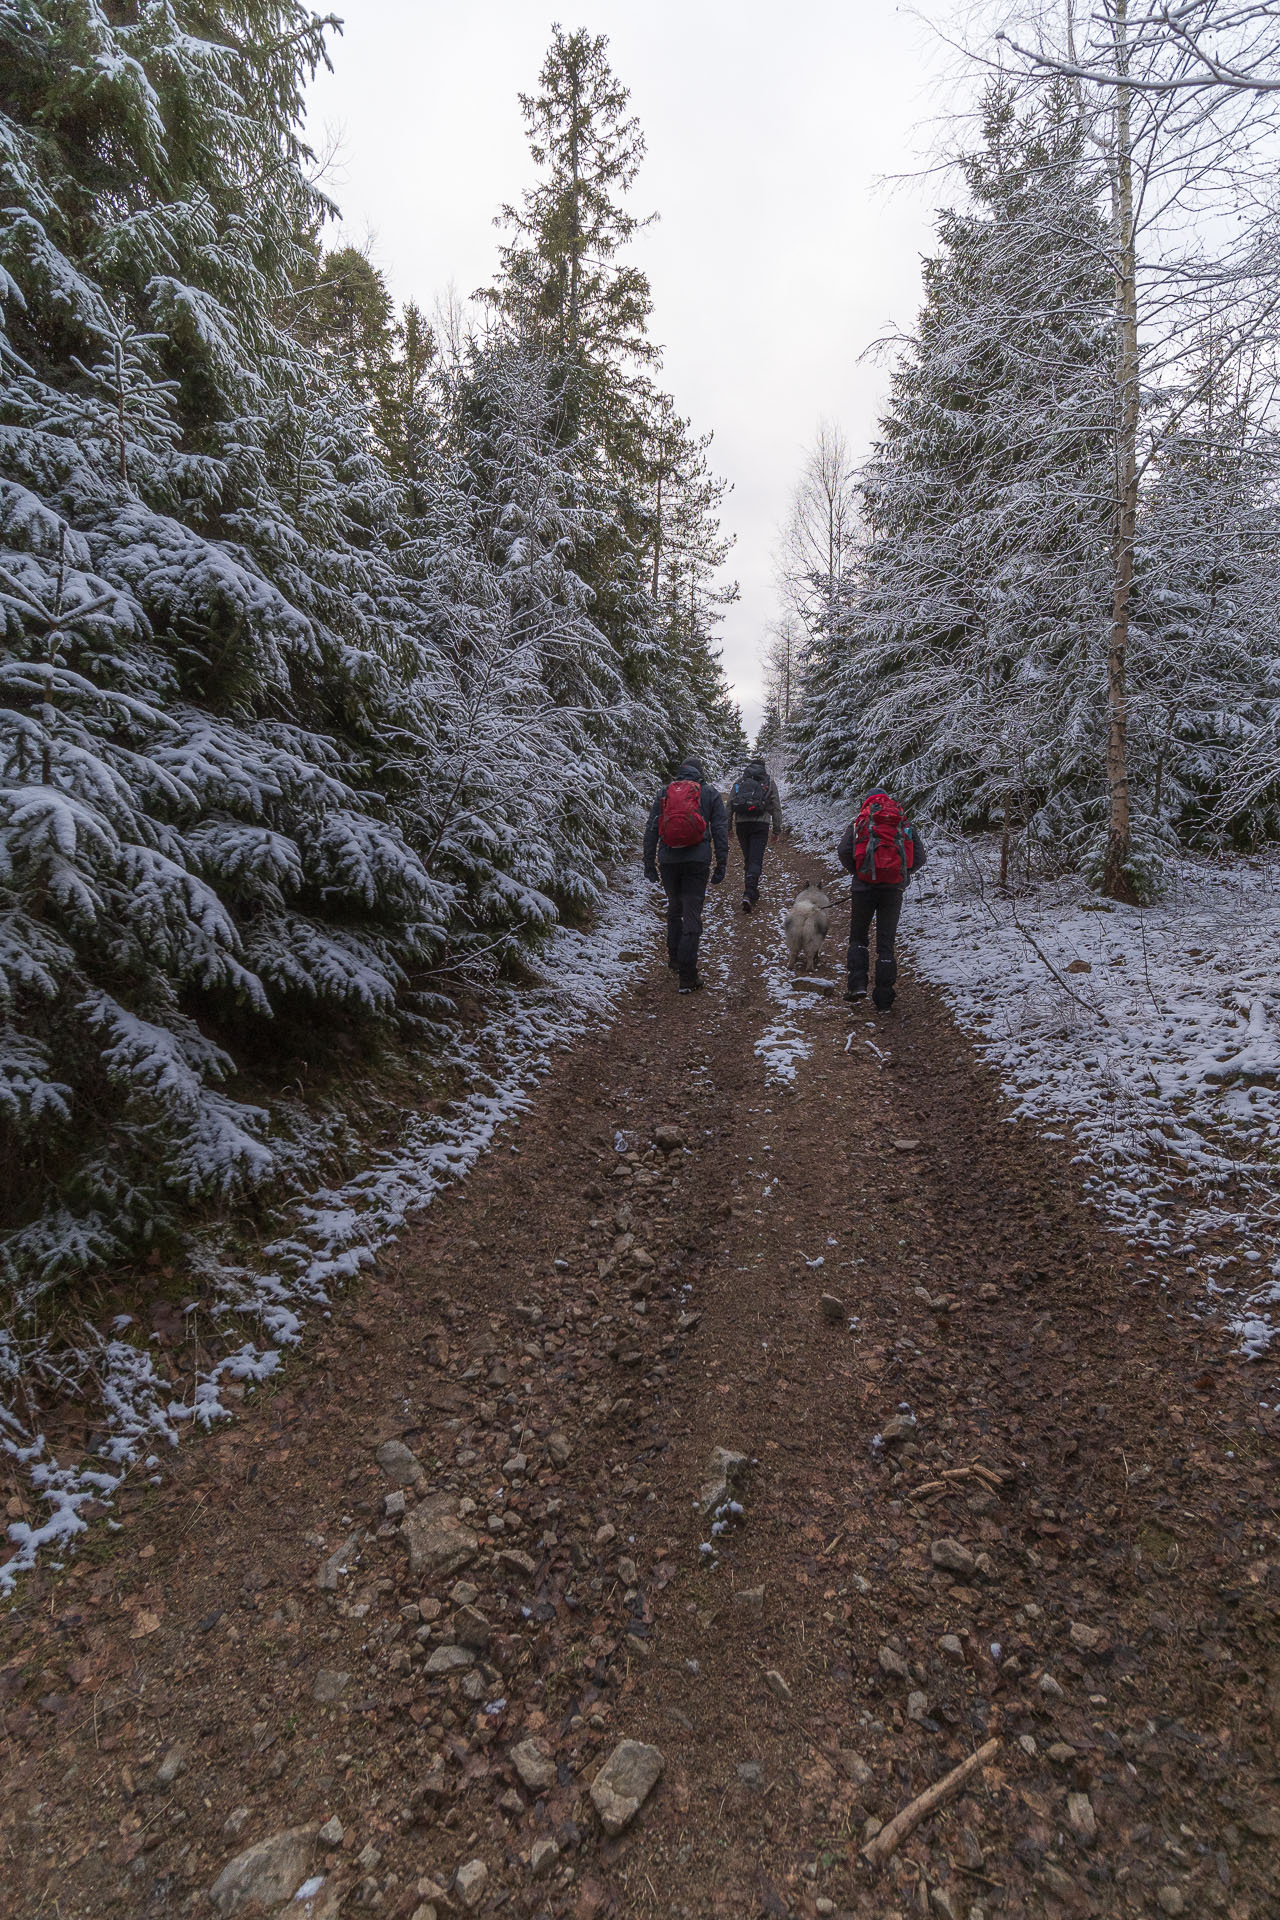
(921, 857)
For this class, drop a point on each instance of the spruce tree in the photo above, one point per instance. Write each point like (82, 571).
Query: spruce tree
(963, 665)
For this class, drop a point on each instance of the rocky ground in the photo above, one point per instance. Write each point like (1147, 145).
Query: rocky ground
(592, 1563)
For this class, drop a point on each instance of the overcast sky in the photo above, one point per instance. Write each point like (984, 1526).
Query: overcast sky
(778, 256)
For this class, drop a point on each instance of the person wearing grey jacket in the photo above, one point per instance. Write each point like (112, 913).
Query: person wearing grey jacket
(754, 807)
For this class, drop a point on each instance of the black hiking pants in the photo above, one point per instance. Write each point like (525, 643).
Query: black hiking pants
(884, 905)
(685, 884)
(753, 838)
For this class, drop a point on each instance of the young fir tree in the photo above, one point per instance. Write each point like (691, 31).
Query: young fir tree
(564, 281)
(567, 287)
(964, 664)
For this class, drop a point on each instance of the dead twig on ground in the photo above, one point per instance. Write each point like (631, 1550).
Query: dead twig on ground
(904, 1824)
(952, 1477)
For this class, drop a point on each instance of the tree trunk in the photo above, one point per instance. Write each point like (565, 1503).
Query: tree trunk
(575, 215)
(657, 530)
(1116, 878)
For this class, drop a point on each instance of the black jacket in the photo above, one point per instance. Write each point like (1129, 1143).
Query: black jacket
(717, 834)
(773, 803)
(845, 855)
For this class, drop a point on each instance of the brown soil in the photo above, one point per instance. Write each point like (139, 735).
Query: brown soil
(1119, 1636)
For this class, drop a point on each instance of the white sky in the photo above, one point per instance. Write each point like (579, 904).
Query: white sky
(778, 256)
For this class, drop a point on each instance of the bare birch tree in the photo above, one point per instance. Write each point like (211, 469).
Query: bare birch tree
(821, 531)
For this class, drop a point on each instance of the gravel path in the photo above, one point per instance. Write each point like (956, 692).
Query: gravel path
(380, 1638)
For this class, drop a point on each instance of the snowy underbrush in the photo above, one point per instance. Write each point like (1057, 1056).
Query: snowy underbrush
(1150, 1037)
(249, 1311)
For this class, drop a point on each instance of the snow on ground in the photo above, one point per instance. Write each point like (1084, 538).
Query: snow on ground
(783, 1044)
(329, 1237)
(1150, 1037)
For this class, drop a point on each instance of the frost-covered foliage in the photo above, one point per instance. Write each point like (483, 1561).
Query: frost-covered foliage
(1206, 659)
(962, 664)
(310, 702)
(970, 659)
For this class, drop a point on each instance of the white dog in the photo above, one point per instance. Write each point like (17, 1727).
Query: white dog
(807, 924)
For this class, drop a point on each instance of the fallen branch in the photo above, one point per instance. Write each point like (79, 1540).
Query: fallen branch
(904, 1824)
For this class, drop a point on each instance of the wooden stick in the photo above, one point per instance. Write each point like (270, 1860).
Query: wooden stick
(890, 1838)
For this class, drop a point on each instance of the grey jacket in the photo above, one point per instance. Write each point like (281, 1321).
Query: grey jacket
(758, 768)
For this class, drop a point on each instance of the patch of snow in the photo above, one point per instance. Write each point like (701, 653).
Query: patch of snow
(784, 1043)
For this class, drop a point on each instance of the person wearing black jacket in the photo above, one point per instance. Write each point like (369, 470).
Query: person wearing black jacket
(684, 873)
(754, 807)
(883, 902)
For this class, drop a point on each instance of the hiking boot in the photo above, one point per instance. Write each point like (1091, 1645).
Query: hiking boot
(690, 983)
(855, 995)
(747, 903)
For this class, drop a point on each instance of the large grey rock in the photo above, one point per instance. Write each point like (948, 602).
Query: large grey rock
(399, 1463)
(438, 1542)
(329, 1685)
(724, 1471)
(450, 1660)
(531, 1763)
(469, 1883)
(624, 1783)
(1081, 1818)
(950, 1555)
(471, 1628)
(268, 1872)
(543, 1855)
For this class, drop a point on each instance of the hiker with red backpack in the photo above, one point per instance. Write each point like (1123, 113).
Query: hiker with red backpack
(687, 822)
(754, 807)
(881, 849)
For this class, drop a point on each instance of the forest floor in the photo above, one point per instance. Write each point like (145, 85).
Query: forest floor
(560, 1342)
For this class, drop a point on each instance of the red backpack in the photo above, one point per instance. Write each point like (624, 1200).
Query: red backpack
(680, 823)
(883, 851)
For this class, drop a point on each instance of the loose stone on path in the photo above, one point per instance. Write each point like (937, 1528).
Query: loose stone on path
(437, 1540)
(624, 1783)
(266, 1873)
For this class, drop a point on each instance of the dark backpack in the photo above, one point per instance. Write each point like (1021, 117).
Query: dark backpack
(680, 821)
(883, 852)
(751, 796)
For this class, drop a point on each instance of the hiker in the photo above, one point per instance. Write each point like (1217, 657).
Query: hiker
(686, 822)
(753, 807)
(881, 849)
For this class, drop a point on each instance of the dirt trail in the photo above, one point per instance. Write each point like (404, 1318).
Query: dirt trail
(562, 1342)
